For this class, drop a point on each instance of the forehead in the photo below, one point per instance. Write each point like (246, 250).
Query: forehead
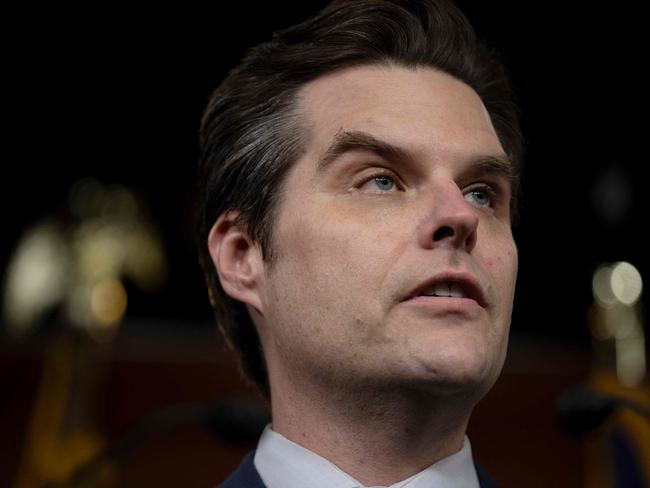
(424, 109)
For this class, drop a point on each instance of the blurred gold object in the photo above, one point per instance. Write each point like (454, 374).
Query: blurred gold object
(63, 432)
(615, 321)
(79, 272)
(81, 267)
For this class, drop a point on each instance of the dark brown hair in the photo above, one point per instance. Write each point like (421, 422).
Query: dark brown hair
(251, 134)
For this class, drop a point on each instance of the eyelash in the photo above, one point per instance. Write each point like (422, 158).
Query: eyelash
(491, 192)
(382, 174)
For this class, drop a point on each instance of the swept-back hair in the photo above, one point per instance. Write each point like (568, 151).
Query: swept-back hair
(251, 133)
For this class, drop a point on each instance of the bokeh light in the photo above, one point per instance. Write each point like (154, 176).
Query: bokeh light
(626, 283)
(615, 319)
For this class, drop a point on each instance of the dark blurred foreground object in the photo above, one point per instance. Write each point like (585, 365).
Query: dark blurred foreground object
(581, 410)
(237, 419)
(615, 424)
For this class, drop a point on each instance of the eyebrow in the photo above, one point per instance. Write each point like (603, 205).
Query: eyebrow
(347, 141)
(496, 165)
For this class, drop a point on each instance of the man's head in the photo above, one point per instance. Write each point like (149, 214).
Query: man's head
(404, 86)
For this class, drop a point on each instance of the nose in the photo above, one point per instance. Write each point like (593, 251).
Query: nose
(451, 221)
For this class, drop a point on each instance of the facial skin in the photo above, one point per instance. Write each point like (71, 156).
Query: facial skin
(396, 186)
(355, 234)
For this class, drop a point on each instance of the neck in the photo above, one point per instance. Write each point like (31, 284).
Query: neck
(379, 435)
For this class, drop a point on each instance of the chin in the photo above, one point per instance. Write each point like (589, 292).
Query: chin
(458, 372)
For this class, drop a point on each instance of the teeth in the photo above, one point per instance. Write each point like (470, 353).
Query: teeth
(445, 290)
(438, 290)
(456, 291)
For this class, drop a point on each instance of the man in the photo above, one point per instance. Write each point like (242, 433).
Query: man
(358, 179)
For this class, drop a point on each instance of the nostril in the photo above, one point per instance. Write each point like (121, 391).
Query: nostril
(443, 232)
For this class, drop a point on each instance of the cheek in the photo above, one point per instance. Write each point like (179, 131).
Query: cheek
(338, 246)
(511, 262)
(312, 269)
(321, 290)
(501, 262)
(335, 270)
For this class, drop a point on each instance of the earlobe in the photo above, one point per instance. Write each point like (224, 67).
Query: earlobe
(237, 260)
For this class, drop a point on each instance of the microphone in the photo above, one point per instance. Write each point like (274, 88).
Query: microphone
(581, 409)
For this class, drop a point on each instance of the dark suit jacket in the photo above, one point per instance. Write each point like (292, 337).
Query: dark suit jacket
(246, 476)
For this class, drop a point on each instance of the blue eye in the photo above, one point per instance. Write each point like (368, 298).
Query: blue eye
(480, 197)
(384, 183)
(380, 183)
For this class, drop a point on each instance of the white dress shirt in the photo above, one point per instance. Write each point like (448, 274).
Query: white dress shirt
(282, 463)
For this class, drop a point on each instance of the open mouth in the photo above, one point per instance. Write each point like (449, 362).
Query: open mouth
(445, 289)
(451, 286)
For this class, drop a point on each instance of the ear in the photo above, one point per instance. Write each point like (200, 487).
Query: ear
(237, 259)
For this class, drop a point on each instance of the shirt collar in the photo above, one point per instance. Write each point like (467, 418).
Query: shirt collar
(282, 463)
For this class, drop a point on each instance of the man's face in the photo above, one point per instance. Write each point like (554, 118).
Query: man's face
(402, 194)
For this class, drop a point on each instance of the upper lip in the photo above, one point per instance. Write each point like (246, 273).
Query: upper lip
(467, 282)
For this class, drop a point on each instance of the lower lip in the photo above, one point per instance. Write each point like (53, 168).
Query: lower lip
(446, 305)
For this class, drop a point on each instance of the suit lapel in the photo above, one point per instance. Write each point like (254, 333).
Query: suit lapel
(245, 476)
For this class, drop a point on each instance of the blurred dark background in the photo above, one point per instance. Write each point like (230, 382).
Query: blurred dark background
(116, 93)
